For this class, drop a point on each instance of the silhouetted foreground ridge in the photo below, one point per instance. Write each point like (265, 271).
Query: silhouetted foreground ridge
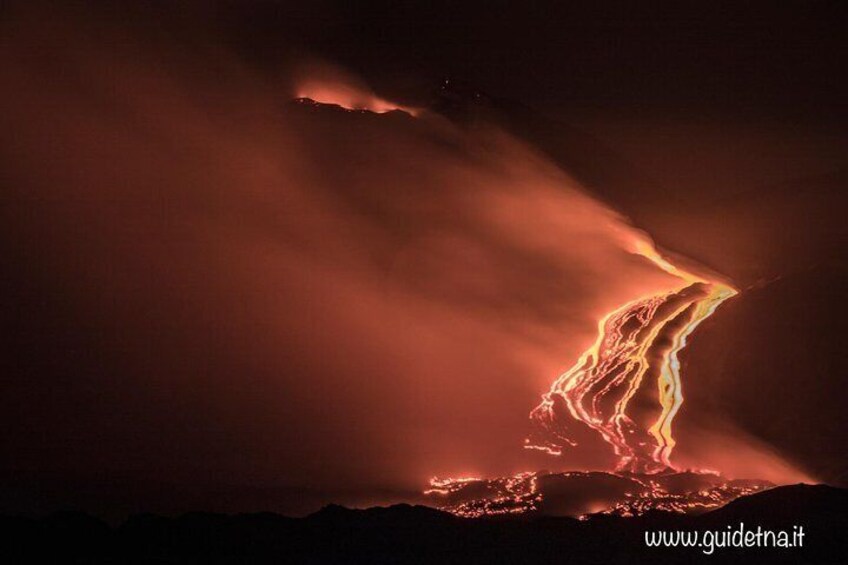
(417, 534)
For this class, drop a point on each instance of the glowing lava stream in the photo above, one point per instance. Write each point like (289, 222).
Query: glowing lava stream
(642, 336)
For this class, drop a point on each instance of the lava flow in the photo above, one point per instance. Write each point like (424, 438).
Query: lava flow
(638, 341)
(641, 338)
(583, 494)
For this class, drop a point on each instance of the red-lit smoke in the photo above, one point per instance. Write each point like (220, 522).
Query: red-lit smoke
(243, 287)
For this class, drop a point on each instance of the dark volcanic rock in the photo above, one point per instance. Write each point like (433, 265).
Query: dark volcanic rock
(417, 534)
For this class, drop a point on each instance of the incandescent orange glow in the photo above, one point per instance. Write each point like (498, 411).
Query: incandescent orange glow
(597, 390)
(348, 97)
(641, 493)
(640, 338)
(510, 495)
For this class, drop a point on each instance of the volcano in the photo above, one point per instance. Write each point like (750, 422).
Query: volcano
(638, 343)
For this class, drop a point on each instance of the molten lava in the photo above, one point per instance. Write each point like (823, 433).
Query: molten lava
(582, 494)
(642, 337)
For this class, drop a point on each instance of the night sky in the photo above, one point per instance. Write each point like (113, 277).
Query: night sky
(216, 300)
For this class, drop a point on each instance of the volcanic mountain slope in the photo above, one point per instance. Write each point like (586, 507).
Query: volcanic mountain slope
(586, 158)
(572, 151)
(790, 313)
(417, 534)
(610, 176)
